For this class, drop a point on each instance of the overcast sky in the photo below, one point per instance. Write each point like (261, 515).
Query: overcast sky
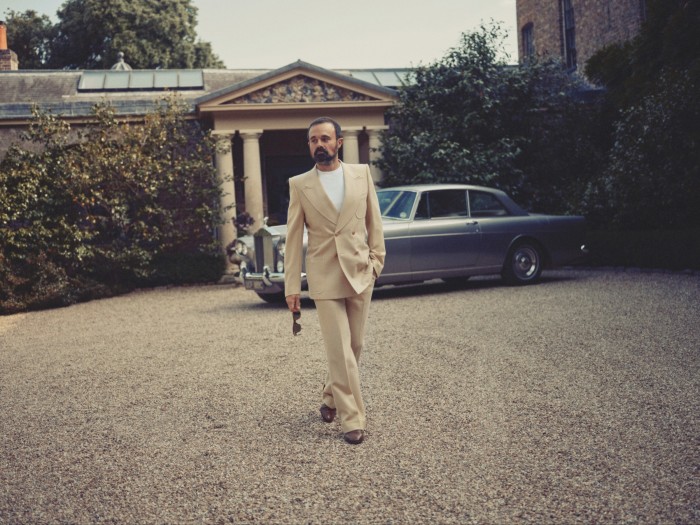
(332, 34)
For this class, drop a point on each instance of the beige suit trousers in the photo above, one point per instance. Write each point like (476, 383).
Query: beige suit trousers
(342, 323)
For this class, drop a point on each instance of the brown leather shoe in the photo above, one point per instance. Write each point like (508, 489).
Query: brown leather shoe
(355, 437)
(327, 413)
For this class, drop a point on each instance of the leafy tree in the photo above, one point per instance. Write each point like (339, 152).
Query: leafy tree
(30, 36)
(118, 206)
(469, 118)
(668, 42)
(34, 240)
(91, 33)
(653, 175)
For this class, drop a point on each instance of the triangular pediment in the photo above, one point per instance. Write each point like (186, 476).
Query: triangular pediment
(298, 84)
(300, 89)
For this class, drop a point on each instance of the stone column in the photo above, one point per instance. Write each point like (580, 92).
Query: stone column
(374, 144)
(351, 148)
(224, 172)
(252, 171)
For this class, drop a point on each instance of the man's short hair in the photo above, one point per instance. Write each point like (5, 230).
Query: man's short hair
(323, 120)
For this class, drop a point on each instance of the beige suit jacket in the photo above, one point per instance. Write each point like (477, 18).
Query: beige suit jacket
(345, 249)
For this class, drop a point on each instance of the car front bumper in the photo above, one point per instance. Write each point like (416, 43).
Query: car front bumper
(266, 282)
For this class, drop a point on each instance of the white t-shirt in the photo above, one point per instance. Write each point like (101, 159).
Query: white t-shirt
(334, 184)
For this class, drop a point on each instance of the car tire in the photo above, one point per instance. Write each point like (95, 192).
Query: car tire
(523, 264)
(272, 298)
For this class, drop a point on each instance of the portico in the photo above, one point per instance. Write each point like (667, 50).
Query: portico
(261, 127)
(259, 118)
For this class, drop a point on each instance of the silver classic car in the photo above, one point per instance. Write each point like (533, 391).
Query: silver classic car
(446, 231)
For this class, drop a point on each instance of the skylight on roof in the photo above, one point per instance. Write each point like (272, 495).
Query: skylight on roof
(388, 78)
(367, 76)
(391, 78)
(141, 80)
(165, 79)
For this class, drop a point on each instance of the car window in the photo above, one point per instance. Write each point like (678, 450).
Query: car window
(422, 211)
(482, 204)
(396, 204)
(447, 203)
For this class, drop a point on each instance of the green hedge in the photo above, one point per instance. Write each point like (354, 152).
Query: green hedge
(662, 249)
(125, 206)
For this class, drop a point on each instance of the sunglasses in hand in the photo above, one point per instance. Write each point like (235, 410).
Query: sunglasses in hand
(296, 327)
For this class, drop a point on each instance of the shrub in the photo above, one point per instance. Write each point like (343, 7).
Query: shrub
(107, 209)
(470, 118)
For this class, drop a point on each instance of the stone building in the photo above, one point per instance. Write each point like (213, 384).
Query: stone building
(575, 29)
(260, 116)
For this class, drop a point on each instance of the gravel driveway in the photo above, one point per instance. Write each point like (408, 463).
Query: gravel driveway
(573, 401)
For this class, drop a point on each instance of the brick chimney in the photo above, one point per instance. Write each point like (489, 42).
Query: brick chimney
(8, 59)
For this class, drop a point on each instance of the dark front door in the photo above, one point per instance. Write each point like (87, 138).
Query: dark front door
(278, 170)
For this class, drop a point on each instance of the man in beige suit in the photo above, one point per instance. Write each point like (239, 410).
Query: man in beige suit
(338, 205)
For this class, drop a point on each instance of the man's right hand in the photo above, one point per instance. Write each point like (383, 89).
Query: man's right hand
(294, 302)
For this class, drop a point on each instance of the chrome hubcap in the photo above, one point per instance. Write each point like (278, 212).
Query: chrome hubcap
(525, 262)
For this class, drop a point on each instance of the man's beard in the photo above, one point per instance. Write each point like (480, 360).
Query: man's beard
(321, 156)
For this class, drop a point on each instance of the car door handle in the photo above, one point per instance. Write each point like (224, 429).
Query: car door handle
(472, 223)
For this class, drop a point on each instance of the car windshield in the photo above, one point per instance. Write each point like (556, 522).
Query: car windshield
(396, 204)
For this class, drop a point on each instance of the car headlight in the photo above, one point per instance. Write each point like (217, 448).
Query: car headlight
(280, 248)
(241, 248)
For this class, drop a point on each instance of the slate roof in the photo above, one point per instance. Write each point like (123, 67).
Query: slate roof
(57, 90)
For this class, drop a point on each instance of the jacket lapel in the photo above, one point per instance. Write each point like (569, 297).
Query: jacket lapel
(318, 197)
(353, 193)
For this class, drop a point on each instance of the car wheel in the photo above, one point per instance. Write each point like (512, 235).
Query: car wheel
(274, 298)
(523, 264)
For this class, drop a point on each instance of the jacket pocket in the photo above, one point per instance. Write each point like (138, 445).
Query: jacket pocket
(361, 210)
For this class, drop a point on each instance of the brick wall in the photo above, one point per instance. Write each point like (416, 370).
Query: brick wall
(8, 60)
(545, 18)
(598, 23)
